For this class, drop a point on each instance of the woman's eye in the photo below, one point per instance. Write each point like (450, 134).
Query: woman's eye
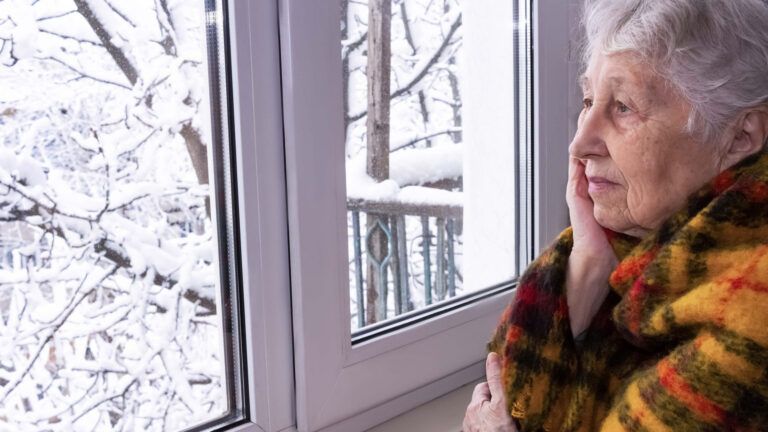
(622, 108)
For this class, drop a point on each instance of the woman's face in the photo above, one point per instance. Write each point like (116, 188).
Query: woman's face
(639, 162)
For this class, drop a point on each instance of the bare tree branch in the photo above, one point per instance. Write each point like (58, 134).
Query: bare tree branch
(418, 139)
(119, 13)
(165, 22)
(434, 58)
(355, 44)
(414, 51)
(83, 74)
(50, 17)
(77, 39)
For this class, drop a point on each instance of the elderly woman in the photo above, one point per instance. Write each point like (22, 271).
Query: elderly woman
(650, 313)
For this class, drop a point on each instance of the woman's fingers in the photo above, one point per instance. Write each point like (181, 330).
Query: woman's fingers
(487, 411)
(588, 235)
(576, 178)
(481, 393)
(577, 191)
(473, 418)
(493, 374)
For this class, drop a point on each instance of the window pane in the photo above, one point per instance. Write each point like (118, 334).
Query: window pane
(431, 154)
(114, 252)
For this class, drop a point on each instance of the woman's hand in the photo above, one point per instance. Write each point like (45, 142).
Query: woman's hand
(487, 412)
(588, 236)
(592, 259)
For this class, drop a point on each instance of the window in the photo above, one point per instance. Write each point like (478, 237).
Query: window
(119, 275)
(345, 379)
(432, 188)
(152, 284)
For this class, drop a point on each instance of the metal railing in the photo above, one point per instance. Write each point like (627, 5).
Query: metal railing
(412, 235)
(9, 254)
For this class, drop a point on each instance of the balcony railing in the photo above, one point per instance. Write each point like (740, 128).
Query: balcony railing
(417, 264)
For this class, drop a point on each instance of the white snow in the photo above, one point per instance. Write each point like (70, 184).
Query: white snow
(424, 165)
(95, 163)
(25, 33)
(409, 167)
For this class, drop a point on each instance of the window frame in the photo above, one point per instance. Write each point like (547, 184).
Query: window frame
(334, 380)
(256, 128)
(279, 48)
(556, 94)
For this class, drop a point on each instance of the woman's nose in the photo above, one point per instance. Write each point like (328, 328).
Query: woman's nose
(589, 140)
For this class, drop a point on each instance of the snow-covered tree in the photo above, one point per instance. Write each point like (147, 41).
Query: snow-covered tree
(109, 301)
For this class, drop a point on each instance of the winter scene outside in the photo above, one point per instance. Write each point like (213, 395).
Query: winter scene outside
(429, 152)
(110, 300)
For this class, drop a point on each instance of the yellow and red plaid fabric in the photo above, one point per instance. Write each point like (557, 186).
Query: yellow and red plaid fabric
(681, 343)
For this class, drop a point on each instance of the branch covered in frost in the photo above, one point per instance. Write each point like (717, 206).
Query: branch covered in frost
(18, 203)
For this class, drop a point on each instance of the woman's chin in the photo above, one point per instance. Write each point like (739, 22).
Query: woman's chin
(616, 221)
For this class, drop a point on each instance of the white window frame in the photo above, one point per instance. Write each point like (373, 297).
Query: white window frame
(257, 120)
(340, 387)
(303, 374)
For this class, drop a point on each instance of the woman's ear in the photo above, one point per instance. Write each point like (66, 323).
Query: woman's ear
(750, 135)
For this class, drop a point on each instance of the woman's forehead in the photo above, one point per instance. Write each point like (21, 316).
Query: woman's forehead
(621, 70)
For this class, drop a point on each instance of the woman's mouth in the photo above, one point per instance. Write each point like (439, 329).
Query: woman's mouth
(600, 184)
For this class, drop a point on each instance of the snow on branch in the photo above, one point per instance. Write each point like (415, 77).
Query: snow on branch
(88, 12)
(110, 315)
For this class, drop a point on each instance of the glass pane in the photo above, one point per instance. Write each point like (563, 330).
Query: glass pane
(114, 280)
(431, 156)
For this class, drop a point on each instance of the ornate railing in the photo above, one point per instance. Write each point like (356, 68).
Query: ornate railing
(8, 247)
(431, 231)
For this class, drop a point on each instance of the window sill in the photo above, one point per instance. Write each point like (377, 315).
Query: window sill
(443, 414)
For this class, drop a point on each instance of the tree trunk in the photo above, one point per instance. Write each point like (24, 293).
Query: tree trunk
(377, 150)
(198, 154)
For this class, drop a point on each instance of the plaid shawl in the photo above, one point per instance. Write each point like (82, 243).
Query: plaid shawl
(681, 343)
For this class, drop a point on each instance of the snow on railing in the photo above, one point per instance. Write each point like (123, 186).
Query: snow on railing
(420, 215)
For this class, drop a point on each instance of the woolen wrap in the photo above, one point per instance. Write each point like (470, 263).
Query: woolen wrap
(681, 342)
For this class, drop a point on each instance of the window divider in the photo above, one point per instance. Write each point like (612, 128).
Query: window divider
(258, 134)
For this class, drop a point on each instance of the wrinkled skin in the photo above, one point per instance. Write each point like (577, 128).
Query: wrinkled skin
(631, 133)
(487, 412)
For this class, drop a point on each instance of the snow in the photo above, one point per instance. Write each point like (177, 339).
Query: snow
(409, 167)
(21, 168)
(25, 33)
(76, 203)
(101, 174)
(419, 195)
(46, 312)
(419, 166)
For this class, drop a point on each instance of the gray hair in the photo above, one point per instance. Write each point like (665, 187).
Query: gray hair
(713, 52)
